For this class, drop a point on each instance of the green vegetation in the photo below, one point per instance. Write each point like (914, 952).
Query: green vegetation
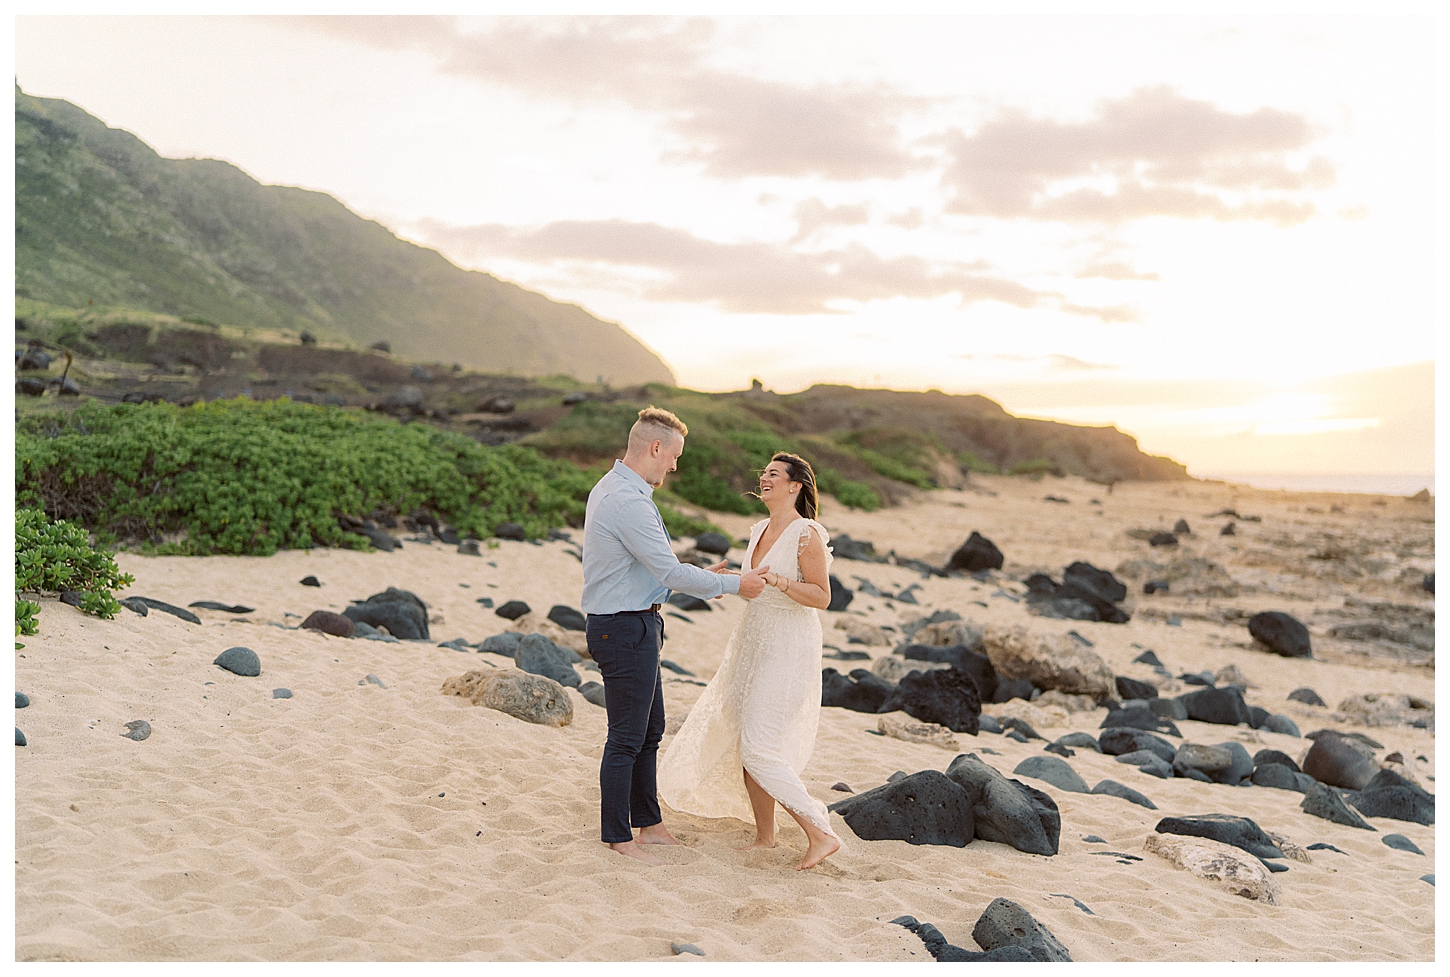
(102, 222)
(727, 447)
(972, 463)
(54, 556)
(244, 477)
(1037, 466)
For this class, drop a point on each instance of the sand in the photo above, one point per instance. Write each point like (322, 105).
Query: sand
(356, 821)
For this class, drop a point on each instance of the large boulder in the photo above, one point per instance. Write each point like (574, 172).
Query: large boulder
(1121, 740)
(1388, 795)
(975, 663)
(1048, 662)
(1281, 634)
(947, 696)
(329, 622)
(717, 544)
(1224, 865)
(1054, 771)
(402, 612)
(1226, 828)
(925, 808)
(1138, 717)
(567, 617)
(532, 698)
(1325, 802)
(1340, 761)
(1098, 588)
(1007, 811)
(537, 655)
(978, 553)
(841, 595)
(1225, 707)
(1208, 760)
(1131, 688)
(1006, 924)
(862, 692)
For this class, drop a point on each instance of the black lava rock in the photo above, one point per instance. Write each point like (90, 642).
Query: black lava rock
(1148, 658)
(281, 693)
(1226, 828)
(925, 808)
(566, 617)
(1281, 633)
(1153, 586)
(1138, 718)
(1167, 709)
(978, 553)
(972, 661)
(379, 539)
(1279, 776)
(1226, 706)
(540, 656)
(19, 737)
(240, 661)
(1388, 795)
(1307, 696)
(593, 692)
(1114, 789)
(1004, 924)
(161, 605)
(509, 530)
(1279, 723)
(687, 602)
(137, 729)
(310, 581)
(135, 605)
(1325, 802)
(1084, 741)
(1340, 761)
(849, 693)
(74, 598)
(1162, 539)
(1131, 688)
(21, 700)
(1054, 771)
(1121, 740)
(215, 605)
(1008, 811)
(716, 543)
(947, 696)
(1275, 756)
(513, 610)
(1428, 584)
(403, 618)
(1013, 688)
(1401, 843)
(841, 595)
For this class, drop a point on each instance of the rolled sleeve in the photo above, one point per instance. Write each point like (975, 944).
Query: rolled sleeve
(644, 536)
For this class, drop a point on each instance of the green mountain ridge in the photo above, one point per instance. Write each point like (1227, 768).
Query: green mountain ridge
(101, 219)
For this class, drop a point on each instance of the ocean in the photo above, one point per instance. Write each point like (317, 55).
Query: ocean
(1394, 484)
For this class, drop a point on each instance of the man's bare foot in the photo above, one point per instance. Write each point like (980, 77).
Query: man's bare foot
(655, 834)
(819, 852)
(633, 850)
(757, 843)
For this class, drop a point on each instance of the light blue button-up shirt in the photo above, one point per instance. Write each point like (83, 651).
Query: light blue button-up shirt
(628, 563)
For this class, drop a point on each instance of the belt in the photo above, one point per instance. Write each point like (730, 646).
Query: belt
(652, 609)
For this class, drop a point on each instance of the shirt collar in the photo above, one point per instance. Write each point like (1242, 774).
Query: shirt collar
(632, 476)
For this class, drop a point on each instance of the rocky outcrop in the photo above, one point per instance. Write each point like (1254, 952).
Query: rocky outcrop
(1048, 662)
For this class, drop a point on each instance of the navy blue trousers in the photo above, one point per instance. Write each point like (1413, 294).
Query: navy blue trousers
(627, 649)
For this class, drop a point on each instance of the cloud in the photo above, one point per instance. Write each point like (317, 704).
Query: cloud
(1154, 153)
(746, 277)
(1118, 271)
(734, 124)
(811, 215)
(1053, 362)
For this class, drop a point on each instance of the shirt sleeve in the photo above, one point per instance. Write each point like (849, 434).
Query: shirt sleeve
(642, 533)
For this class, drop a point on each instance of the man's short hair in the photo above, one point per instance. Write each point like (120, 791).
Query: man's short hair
(656, 424)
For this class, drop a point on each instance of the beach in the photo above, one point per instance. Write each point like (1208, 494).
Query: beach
(384, 820)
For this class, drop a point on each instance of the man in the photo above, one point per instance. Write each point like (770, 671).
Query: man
(629, 571)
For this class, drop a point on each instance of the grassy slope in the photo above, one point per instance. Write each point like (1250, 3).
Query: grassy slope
(100, 217)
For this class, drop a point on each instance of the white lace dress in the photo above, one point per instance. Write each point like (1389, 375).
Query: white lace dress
(761, 709)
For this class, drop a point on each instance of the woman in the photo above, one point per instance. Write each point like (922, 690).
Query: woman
(743, 746)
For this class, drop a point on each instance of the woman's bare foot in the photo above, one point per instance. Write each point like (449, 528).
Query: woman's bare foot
(757, 843)
(819, 851)
(655, 834)
(632, 849)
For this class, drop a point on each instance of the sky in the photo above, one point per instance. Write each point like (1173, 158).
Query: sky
(1213, 232)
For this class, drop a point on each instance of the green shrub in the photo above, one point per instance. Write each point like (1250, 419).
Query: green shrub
(857, 495)
(247, 478)
(976, 464)
(25, 611)
(55, 556)
(1037, 466)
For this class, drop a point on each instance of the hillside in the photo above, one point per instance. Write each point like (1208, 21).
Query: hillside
(103, 221)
